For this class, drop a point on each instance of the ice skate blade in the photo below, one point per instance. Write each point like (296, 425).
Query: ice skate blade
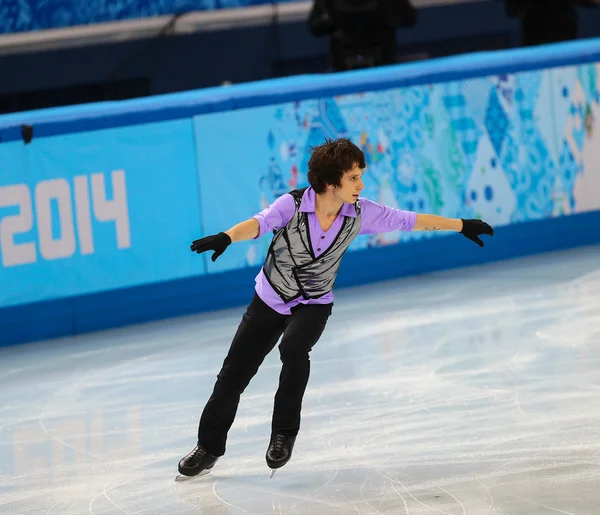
(272, 473)
(179, 478)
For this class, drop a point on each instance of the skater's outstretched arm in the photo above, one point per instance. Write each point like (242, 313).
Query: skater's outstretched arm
(246, 230)
(274, 216)
(379, 218)
(469, 228)
(437, 223)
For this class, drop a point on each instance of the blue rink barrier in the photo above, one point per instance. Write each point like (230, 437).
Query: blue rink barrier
(98, 210)
(101, 115)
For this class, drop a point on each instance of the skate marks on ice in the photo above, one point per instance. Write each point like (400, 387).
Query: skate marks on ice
(180, 478)
(466, 392)
(518, 414)
(452, 416)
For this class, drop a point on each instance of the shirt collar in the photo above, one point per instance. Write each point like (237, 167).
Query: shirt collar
(307, 205)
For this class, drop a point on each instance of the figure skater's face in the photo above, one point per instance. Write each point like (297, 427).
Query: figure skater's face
(350, 186)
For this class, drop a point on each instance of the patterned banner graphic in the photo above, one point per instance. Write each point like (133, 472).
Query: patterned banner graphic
(506, 148)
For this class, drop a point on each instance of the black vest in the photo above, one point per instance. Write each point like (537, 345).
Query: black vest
(291, 267)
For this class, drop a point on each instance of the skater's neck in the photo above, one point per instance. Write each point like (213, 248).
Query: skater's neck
(327, 204)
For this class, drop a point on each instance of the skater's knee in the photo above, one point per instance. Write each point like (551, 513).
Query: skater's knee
(232, 380)
(288, 355)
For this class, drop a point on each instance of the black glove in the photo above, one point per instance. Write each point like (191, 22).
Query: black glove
(472, 228)
(217, 242)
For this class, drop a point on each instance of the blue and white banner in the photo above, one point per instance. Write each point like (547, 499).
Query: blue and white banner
(97, 211)
(506, 148)
(109, 196)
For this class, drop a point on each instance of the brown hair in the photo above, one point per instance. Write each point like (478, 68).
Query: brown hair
(329, 161)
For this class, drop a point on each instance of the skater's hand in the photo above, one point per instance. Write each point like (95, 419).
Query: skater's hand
(217, 242)
(473, 228)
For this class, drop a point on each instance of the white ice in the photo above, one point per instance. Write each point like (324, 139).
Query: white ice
(473, 391)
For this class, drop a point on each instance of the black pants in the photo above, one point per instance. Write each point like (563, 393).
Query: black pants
(256, 336)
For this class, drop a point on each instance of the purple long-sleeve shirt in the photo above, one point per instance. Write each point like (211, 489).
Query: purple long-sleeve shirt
(375, 218)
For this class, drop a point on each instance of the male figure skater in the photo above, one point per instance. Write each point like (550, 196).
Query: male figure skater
(313, 228)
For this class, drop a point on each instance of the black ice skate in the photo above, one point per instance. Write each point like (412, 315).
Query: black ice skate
(197, 463)
(279, 451)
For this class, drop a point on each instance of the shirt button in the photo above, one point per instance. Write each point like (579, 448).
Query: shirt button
(318, 249)
(322, 237)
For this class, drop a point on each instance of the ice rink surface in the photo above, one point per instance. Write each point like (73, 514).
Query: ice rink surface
(471, 391)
